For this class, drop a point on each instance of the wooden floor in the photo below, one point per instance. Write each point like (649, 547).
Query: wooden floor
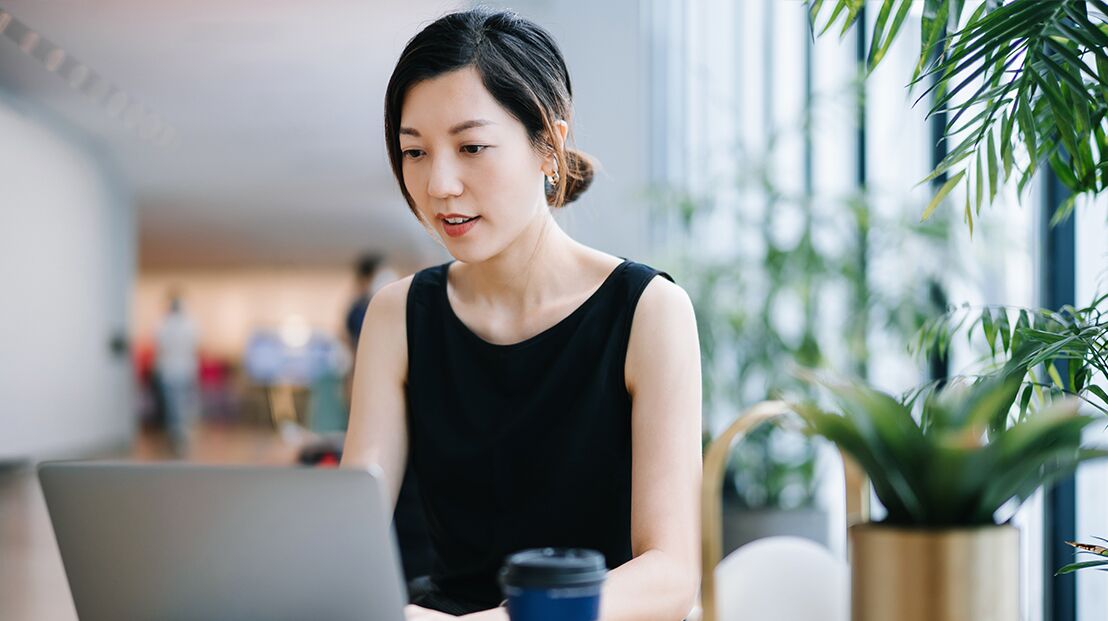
(32, 581)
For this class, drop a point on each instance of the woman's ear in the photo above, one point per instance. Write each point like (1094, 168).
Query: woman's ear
(550, 162)
(563, 130)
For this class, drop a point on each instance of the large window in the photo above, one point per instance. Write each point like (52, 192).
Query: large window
(783, 145)
(1091, 266)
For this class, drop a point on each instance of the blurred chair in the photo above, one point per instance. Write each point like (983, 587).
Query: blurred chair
(782, 579)
(776, 578)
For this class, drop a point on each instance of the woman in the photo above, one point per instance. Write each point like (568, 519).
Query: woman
(545, 393)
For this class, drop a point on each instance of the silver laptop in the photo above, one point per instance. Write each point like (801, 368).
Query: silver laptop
(174, 541)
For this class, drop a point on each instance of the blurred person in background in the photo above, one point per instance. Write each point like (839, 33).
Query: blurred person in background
(513, 380)
(177, 367)
(370, 275)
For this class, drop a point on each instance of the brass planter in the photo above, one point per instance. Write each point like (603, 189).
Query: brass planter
(969, 574)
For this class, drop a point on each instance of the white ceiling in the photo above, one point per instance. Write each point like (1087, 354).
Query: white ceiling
(276, 155)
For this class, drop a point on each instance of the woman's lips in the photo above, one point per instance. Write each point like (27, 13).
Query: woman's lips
(457, 230)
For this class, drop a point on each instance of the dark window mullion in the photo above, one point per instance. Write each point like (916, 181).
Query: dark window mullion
(1057, 288)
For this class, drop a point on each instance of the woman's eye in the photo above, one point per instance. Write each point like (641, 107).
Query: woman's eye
(412, 153)
(474, 149)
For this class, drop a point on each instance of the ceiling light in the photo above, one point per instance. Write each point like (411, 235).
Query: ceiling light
(29, 41)
(77, 75)
(81, 77)
(54, 59)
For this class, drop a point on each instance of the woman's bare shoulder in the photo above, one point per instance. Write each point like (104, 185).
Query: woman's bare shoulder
(663, 333)
(391, 300)
(664, 304)
(383, 331)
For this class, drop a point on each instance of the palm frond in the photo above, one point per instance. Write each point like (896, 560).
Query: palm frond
(1035, 71)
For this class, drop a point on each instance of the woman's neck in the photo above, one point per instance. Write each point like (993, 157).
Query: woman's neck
(539, 266)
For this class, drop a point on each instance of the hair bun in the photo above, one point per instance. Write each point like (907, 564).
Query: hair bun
(578, 174)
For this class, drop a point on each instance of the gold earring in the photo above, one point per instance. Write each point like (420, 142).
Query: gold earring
(554, 177)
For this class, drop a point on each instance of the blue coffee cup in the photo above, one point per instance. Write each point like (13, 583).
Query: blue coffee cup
(551, 584)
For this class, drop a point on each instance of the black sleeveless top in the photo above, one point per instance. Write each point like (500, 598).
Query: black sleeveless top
(524, 445)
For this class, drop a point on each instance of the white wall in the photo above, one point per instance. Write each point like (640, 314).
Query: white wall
(67, 243)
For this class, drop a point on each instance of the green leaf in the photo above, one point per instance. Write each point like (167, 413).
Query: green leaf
(990, 401)
(1099, 392)
(1065, 209)
(1022, 324)
(984, 91)
(814, 7)
(1062, 74)
(1064, 172)
(1025, 401)
(1059, 110)
(1079, 378)
(846, 435)
(878, 30)
(1027, 124)
(851, 16)
(974, 124)
(842, 4)
(1012, 21)
(1055, 377)
(932, 26)
(1072, 59)
(1033, 453)
(1094, 37)
(880, 46)
(991, 154)
(1007, 122)
(1102, 69)
(968, 212)
(941, 194)
(1005, 329)
(952, 159)
(980, 181)
(1072, 567)
(990, 329)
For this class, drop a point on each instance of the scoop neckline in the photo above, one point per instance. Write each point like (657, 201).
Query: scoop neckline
(531, 339)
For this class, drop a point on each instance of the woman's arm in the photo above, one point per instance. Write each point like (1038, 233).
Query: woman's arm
(663, 377)
(378, 430)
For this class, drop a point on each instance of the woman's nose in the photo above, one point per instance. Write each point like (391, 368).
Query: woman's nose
(444, 181)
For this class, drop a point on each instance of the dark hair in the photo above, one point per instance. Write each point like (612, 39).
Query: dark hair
(519, 64)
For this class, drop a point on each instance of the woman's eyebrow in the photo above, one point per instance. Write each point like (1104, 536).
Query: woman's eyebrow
(457, 129)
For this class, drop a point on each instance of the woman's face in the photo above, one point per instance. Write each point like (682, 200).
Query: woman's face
(467, 160)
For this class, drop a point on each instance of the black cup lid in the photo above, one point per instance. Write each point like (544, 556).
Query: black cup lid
(553, 567)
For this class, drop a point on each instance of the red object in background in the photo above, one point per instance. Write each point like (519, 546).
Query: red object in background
(143, 359)
(326, 453)
(214, 372)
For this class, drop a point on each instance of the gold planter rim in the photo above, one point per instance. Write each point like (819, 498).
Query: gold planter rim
(934, 530)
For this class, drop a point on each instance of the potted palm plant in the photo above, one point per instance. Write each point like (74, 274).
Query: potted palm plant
(943, 462)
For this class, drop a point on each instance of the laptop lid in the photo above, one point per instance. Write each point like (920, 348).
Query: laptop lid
(178, 541)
